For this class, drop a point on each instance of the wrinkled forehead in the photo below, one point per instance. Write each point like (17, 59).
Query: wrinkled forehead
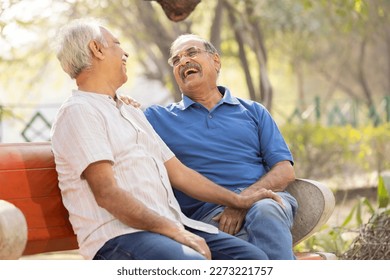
(184, 44)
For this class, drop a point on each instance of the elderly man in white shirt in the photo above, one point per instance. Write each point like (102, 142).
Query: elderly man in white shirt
(116, 174)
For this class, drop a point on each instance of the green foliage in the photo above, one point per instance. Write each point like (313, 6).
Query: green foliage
(327, 240)
(323, 152)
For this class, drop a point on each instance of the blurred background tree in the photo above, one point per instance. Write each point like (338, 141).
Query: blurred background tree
(322, 67)
(283, 49)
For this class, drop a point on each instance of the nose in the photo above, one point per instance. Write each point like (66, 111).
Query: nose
(183, 59)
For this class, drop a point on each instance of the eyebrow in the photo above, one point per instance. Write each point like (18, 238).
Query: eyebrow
(186, 50)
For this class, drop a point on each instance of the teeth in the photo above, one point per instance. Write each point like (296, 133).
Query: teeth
(189, 68)
(188, 71)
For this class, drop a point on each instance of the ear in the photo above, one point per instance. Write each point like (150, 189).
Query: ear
(217, 62)
(96, 49)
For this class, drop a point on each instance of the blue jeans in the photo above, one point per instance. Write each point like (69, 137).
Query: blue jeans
(146, 245)
(267, 226)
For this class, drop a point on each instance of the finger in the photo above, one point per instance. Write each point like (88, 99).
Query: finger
(203, 249)
(229, 226)
(130, 101)
(277, 198)
(135, 103)
(238, 227)
(198, 244)
(217, 217)
(223, 226)
(232, 228)
(207, 254)
(125, 99)
(263, 193)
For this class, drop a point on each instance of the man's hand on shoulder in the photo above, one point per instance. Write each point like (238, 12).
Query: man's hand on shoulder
(129, 101)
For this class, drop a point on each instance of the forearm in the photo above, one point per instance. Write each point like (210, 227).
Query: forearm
(136, 214)
(197, 186)
(277, 179)
(122, 204)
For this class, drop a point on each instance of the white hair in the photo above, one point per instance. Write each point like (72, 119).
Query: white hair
(72, 45)
(191, 37)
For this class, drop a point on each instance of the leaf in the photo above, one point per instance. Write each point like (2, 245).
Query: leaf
(368, 205)
(349, 217)
(383, 196)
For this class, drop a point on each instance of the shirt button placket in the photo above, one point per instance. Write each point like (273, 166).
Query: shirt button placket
(210, 121)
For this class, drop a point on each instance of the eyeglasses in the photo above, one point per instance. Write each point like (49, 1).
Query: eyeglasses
(191, 52)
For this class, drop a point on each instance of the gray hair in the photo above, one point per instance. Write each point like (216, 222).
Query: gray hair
(72, 45)
(192, 37)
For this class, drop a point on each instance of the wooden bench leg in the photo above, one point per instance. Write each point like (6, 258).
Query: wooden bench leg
(13, 231)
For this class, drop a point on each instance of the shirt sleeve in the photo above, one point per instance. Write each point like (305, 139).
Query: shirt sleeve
(166, 152)
(80, 138)
(273, 147)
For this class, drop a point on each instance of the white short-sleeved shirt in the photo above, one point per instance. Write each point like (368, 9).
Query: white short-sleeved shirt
(91, 127)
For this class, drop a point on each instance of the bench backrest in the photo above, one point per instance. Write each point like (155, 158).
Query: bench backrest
(28, 180)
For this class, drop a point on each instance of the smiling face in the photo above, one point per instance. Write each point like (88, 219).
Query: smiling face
(195, 69)
(115, 58)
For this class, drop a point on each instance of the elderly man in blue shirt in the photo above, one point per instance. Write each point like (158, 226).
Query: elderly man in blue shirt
(233, 142)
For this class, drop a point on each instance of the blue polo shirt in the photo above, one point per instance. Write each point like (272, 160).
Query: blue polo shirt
(233, 144)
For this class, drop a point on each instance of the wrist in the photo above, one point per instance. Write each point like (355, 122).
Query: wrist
(240, 201)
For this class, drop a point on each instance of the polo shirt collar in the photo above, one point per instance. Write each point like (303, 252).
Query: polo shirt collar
(227, 98)
(186, 102)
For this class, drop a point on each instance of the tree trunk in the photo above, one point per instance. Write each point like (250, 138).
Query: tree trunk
(297, 65)
(244, 61)
(362, 76)
(266, 91)
(215, 37)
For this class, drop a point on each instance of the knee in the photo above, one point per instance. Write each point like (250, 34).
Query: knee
(265, 206)
(270, 209)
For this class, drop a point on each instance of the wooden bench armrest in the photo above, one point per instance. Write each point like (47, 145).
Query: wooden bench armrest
(315, 205)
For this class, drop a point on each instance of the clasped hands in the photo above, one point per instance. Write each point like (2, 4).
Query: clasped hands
(231, 219)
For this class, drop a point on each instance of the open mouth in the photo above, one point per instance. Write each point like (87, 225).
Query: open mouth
(189, 70)
(124, 60)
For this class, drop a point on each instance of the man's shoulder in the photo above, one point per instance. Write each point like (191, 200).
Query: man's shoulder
(251, 104)
(159, 109)
(74, 103)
